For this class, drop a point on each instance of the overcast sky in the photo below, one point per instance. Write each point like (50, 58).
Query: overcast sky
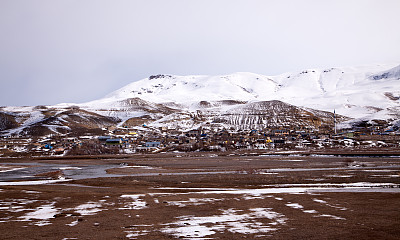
(54, 51)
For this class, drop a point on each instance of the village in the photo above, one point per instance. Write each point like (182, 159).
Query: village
(144, 139)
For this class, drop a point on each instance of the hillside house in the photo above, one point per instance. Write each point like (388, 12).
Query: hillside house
(281, 132)
(152, 144)
(193, 133)
(114, 141)
(103, 138)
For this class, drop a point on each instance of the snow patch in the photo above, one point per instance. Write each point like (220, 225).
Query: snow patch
(232, 220)
(331, 216)
(43, 213)
(133, 234)
(73, 223)
(137, 203)
(193, 201)
(310, 211)
(89, 208)
(294, 205)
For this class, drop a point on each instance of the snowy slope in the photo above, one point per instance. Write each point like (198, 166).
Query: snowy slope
(41, 120)
(391, 73)
(184, 89)
(245, 116)
(353, 91)
(239, 100)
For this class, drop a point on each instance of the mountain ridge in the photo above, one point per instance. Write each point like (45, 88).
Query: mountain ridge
(351, 91)
(304, 99)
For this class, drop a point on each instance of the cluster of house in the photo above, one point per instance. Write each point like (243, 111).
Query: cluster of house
(54, 145)
(145, 139)
(163, 139)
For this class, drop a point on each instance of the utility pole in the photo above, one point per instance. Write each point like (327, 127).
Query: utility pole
(334, 120)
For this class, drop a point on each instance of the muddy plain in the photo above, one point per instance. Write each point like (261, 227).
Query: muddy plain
(203, 195)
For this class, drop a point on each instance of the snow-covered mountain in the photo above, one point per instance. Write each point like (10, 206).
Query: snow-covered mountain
(353, 91)
(239, 101)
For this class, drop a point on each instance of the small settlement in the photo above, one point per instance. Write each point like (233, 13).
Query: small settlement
(144, 139)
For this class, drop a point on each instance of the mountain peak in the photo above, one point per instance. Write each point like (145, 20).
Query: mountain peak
(238, 100)
(349, 90)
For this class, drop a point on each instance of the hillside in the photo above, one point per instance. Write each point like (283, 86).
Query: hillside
(42, 120)
(237, 101)
(353, 91)
(248, 115)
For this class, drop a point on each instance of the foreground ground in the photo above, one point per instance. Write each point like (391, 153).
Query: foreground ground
(235, 195)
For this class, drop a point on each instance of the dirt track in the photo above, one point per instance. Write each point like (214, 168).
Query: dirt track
(206, 195)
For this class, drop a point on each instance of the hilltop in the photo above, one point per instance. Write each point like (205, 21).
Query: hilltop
(240, 101)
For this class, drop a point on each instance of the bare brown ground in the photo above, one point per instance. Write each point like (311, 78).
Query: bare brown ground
(162, 200)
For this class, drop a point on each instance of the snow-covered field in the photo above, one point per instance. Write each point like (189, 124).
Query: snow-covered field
(259, 221)
(317, 196)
